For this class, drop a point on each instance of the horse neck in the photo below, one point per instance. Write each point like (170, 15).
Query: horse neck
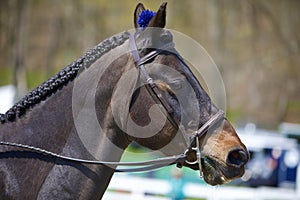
(46, 125)
(67, 123)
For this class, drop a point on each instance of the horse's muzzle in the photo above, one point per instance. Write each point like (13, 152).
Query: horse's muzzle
(217, 172)
(237, 158)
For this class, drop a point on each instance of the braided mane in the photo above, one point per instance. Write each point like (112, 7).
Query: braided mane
(62, 78)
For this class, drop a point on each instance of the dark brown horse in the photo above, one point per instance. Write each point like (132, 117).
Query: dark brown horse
(116, 93)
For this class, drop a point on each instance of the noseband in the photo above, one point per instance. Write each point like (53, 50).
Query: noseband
(157, 96)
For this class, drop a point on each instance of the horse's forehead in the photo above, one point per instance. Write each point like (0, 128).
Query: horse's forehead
(163, 62)
(172, 69)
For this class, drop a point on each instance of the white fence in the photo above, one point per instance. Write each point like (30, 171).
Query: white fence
(136, 188)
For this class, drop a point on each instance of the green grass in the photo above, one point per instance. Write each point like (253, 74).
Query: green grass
(294, 105)
(5, 76)
(137, 153)
(35, 78)
(233, 115)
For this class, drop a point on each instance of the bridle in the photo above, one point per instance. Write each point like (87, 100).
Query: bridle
(157, 96)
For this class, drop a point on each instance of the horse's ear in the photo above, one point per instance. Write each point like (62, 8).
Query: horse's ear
(139, 8)
(159, 20)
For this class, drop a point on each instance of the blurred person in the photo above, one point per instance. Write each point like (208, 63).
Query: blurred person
(177, 184)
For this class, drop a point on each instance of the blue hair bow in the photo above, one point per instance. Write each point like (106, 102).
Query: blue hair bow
(144, 18)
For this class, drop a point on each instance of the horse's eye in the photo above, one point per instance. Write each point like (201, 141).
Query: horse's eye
(176, 84)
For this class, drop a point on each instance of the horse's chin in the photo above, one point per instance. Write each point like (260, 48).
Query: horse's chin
(217, 173)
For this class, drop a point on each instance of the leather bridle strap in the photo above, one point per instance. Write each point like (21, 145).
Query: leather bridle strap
(216, 118)
(151, 86)
(147, 165)
(195, 146)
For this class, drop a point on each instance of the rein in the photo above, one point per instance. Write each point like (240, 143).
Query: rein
(147, 165)
(156, 94)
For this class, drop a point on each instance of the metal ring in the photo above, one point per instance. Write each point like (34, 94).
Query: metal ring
(191, 162)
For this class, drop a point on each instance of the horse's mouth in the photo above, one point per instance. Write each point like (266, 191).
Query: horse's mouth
(217, 173)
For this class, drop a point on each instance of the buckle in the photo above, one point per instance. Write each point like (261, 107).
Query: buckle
(198, 157)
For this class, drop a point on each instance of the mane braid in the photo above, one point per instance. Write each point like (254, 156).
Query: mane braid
(62, 78)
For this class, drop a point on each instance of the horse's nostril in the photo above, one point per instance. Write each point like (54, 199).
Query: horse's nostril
(237, 158)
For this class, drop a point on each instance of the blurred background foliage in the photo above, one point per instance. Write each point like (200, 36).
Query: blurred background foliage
(255, 44)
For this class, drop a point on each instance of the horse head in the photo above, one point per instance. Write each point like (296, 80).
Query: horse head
(178, 107)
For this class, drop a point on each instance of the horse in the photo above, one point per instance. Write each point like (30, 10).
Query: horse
(117, 93)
